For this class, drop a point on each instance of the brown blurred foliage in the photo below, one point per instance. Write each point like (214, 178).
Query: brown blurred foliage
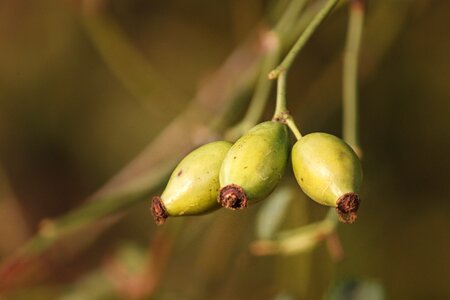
(69, 122)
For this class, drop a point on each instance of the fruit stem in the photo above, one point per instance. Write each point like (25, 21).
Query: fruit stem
(281, 114)
(293, 127)
(281, 94)
(304, 37)
(350, 74)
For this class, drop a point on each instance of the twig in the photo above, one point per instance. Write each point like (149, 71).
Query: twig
(281, 113)
(271, 44)
(129, 66)
(289, 16)
(304, 37)
(297, 240)
(350, 74)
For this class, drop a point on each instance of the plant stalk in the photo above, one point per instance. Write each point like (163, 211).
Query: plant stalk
(350, 74)
(304, 37)
(281, 114)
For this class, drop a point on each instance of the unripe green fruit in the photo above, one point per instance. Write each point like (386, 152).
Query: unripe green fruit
(193, 186)
(254, 165)
(329, 172)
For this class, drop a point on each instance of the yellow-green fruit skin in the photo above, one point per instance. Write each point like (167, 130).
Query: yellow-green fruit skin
(325, 167)
(257, 161)
(193, 186)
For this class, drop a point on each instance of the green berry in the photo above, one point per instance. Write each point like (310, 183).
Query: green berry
(329, 172)
(254, 165)
(193, 186)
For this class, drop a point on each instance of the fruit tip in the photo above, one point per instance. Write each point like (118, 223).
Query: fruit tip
(159, 211)
(347, 207)
(233, 197)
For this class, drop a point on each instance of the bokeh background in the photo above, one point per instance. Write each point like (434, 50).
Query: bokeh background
(85, 87)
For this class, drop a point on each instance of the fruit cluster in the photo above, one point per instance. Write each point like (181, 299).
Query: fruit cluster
(221, 174)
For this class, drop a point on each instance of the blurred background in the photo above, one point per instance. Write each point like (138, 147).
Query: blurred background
(100, 99)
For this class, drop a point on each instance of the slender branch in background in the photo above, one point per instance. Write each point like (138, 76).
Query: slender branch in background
(350, 74)
(307, 15)
(275, 9)
(290, 15)
(129, 66)
(271, 44)
(297, 240)
(304, 37)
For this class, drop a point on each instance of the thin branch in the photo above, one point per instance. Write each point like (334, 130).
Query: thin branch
(271, 44)
(289, 16)
(281, 95)
(297, 240)
(304, 37)
(281, 114)
(127, 64)
(350, 74)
